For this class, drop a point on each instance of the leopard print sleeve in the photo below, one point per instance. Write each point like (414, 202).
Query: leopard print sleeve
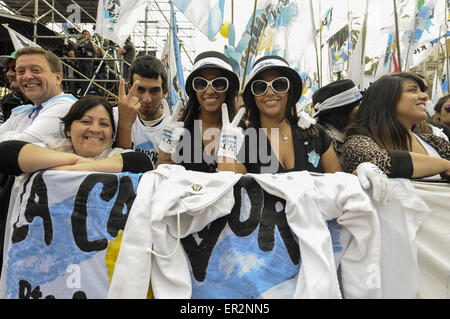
(359, 149)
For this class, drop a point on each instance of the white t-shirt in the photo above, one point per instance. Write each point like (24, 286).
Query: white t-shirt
(146, 138)
(30, 125)
(431, 152)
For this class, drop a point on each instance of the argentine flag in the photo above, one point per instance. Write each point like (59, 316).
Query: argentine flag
(205, 15)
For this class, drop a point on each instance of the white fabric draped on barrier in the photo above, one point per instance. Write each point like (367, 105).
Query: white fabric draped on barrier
(252, 236)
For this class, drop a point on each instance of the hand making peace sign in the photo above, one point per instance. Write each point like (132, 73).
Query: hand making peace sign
(128, 104)
(232, 136)
(173, 129)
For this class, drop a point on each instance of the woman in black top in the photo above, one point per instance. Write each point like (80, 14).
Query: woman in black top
(274, 142)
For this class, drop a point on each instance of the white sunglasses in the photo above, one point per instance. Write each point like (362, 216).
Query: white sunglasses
(219, 84)
(279, 85)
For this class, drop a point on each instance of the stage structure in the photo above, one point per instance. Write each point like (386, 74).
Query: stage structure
(57, 25)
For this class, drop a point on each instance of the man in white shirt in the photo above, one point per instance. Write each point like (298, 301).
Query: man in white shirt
(140, 111)
(39, 76)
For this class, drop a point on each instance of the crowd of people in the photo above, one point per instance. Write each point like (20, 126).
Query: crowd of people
(371, 134)
(86, 60)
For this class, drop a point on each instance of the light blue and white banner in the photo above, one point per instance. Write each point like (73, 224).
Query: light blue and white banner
(116, 18)
(205, 15)
(64, 231)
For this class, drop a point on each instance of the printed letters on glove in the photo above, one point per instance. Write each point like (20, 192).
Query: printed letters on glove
(173, 129)
(232, 136)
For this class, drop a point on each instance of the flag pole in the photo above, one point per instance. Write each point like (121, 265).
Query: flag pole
(249, 44)
(363, 44)
(446, 46)
(397, 38)
(170, 26)
(232, 12)
(315, 42)
(320, 42)
(349, 39)
(411, 38)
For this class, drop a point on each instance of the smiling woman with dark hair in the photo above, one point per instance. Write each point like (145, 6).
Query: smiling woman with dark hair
(211, 84)
(282, 143)
(89, 128)
(381, 132)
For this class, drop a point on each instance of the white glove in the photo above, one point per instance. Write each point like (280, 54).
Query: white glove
(232, 136)
(305, 120)
(173, 129)
(371, 177)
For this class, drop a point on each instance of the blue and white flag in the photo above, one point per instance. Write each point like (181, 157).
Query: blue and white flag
(168, 60)
(171, 59)
(177, 54)
(205, 15)
(426, 27)
(19, 41)
(116, 18)
(436, 92)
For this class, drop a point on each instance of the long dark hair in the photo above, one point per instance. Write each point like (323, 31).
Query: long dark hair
(192, 109)
(376, 116)
(83, 105)
(290, 113)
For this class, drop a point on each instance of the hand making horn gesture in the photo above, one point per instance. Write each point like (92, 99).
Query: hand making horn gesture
(232, 136)
(128, 104)
(173, 129)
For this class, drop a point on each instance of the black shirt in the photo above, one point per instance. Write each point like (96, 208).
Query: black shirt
(10, 101)
(260, 158)
(191, 152)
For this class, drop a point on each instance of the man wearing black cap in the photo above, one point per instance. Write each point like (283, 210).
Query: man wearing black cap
(15, 98)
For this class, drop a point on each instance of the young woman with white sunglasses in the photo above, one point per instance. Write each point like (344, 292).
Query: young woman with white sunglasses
(211, 84)
(285, 139)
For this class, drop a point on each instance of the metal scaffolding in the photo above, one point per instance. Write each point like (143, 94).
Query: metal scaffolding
(148, 36)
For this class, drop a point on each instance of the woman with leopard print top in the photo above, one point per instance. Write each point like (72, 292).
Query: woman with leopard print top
(381, 132)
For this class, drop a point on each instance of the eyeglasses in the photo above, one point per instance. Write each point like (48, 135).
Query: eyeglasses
(219, 84)
(279, 85)
(447, 108)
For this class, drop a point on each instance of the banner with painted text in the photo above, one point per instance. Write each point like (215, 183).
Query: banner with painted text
(63, 233)
(63, 241)
(65, 230)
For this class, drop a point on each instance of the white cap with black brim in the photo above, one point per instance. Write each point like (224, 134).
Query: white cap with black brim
(273, 62)
(216, 60)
